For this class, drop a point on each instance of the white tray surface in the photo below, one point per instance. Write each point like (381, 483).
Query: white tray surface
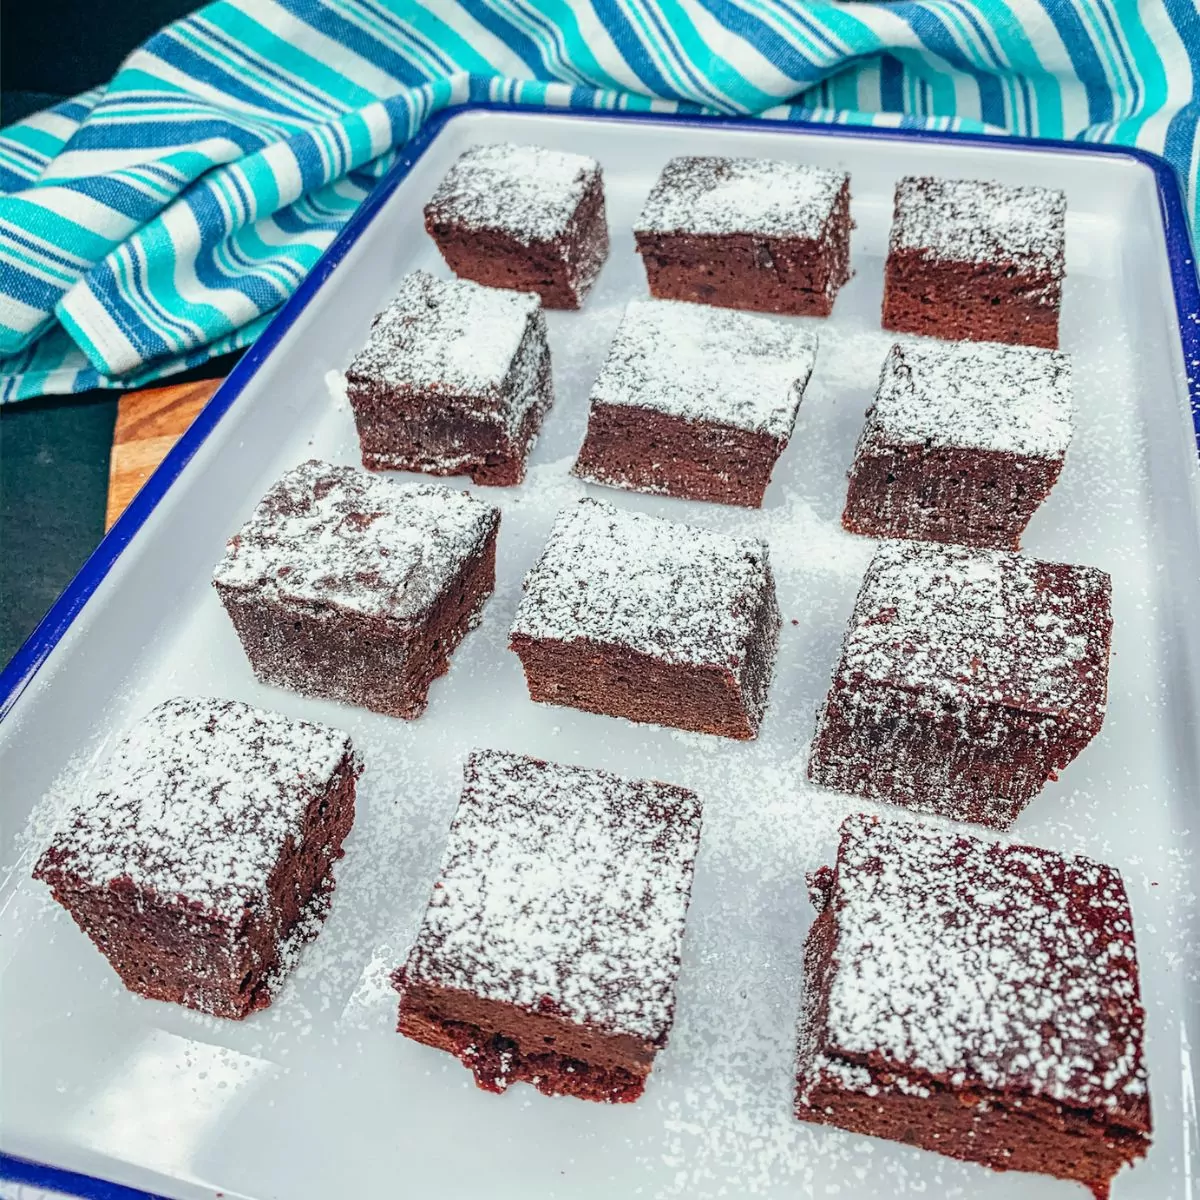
(318, 1097)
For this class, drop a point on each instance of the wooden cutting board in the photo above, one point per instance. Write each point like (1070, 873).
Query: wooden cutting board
(149, 423)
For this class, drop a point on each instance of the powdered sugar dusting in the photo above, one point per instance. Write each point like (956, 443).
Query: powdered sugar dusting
(979, 395)
(326, 535)
(197, 801)
(985, 626)
(708, 364)
(717, 1117)
(528, 192)
(964, 220)
(712, 196)
(447, 336)
(564, 885)
(681, 594)
(984, 964)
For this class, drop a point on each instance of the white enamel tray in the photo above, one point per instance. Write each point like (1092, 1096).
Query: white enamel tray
(317, 1097)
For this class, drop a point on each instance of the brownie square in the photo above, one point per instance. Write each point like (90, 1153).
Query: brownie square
(523, 217)
(962, 444)
(454, 380)
(976, 260)
(631, 616)
(695, 402)
(353, 588)
(550, 949)
(201, 859)
(747, 233)
(977, 999)
(968, 678)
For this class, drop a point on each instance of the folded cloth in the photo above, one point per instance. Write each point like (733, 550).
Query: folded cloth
(154, 223)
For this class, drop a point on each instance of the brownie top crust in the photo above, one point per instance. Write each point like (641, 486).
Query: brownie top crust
(966, 220)
(976, 395)
(671, 591)
(336, 536)
(197, 801)
(563, 890)
(528, 192)
(712, 196)
(708, 364)
(446, 337)
(983, 627)
(983, 964)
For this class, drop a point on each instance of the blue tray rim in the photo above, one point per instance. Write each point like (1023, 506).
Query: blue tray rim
(24, 665)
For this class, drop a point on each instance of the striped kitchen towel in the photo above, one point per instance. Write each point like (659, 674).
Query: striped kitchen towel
(153, 223)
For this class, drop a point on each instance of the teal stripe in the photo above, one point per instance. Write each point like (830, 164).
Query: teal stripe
(434, 28)
(39, 266)
(943, 95)
(71, 237)
(547, 47)
(1103, 45)
(1150, 72)
(79, 335)
(636, 17)
(291, 58)
(193, 35)
(832, 50)
(742, 93)
(147, 182)
(19, 166)
(1047, 118)
(573, 46)
(37, 141)
(406, 48)
(971, 44)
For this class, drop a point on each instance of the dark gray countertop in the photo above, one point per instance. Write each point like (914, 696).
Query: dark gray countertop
(54, 452)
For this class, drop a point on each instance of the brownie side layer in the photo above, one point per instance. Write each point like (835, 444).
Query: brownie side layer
(561, 271)
(650, 451)
(403, 432)
(503, 1044)
(1004, 1131)
(986, 301)
(970, 497)
(372, 661)
(616, 681)
(794, 276)
(970, 763)
(165, 949)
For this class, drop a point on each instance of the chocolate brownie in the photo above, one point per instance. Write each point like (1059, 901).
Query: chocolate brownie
(523, 217)
(550, 948)
(977, 999)
(695, 402)
(200, 861)
(354, 588)
(962, 444)
(968, 678)
(454, 380)
(747, 233)
(632, 616)
(976, 260)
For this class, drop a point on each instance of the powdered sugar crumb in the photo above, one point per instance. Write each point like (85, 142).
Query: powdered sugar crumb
(677, 592)
(329, 535)
(767, 197)
(979, 395)
(198, 800)
(965, 220)
(564, 885)
(447, 337)
(987, 626)
(985, 965)
(528, 192)
(708, 364)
